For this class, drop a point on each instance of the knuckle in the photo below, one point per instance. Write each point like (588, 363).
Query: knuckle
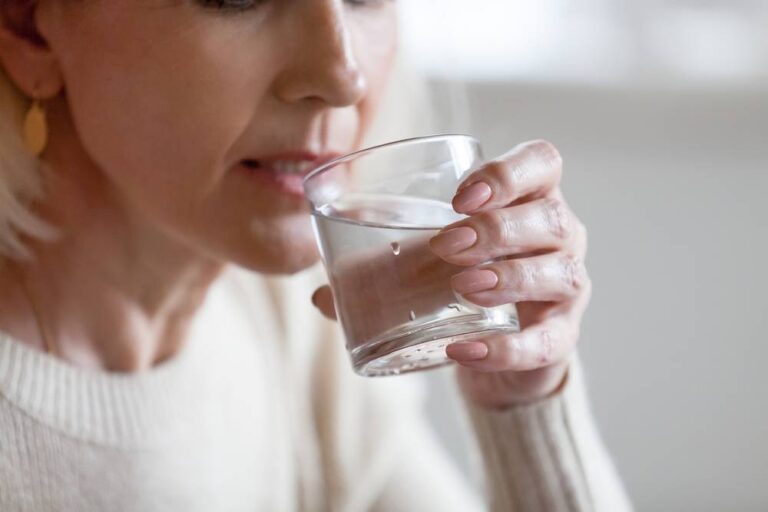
(574, 273)
(517, 278)
(558, 218)
(502, 229)
(546, 346)
(547, 152)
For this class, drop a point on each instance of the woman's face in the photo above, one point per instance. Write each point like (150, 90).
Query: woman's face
(199, 112)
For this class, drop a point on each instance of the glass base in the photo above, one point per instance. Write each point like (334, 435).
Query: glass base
(422, 349)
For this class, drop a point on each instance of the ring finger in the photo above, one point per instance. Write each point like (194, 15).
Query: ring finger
(549, 277)
(535, 347)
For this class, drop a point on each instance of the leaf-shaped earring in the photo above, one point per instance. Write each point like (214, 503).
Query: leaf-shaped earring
(35, 129)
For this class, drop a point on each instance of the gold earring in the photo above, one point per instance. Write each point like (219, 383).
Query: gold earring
(35, 129)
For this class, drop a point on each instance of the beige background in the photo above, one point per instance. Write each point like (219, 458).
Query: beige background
(671, 183)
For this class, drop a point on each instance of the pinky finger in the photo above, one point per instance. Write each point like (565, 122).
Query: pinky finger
(536, 346)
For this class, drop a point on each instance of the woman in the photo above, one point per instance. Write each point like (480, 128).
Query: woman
(163, 139)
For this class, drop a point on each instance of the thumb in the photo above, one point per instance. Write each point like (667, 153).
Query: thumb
(323, 300)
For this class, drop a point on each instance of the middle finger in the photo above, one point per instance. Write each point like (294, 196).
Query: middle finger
(543, 224)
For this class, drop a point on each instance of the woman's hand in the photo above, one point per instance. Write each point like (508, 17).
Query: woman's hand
(517, 216)
(517, 213)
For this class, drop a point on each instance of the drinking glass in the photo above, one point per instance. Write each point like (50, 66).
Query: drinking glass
(373, 213)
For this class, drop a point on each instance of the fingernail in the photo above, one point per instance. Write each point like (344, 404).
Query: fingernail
(472, 197)
(467, 351)
(473, 281)
(453, 241)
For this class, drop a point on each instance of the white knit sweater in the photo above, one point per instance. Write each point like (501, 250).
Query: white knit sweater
(261, 412)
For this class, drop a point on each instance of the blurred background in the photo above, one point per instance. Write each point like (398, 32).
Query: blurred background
(660, 108)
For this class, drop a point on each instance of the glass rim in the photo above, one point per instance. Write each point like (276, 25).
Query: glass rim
(327, 166)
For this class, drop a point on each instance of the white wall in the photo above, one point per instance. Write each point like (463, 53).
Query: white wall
(671, 185)
(589, 41)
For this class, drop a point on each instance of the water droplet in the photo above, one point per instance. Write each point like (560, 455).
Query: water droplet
(395, 249)
(412, 316)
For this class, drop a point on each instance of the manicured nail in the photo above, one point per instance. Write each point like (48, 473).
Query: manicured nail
(473, 281)
(453, 241)
(467, 351)
(472, 197)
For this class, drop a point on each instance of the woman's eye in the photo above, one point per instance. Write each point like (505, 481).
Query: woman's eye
(242, 5)
(231, 5)
(366, 3)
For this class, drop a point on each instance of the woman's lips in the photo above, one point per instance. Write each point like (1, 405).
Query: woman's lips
(286, 182)
(285, 173)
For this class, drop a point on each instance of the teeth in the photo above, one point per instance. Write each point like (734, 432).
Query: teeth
(289, 167)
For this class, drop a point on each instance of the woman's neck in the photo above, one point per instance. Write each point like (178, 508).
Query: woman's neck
(115, 292)
(75, 303)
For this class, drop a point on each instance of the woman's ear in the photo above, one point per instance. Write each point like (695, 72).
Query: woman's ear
(24, 53)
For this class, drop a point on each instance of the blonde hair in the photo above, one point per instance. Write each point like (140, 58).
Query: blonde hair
(404, 112)
(20, 181)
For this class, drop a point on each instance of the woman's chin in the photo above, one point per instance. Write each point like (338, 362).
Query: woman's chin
(280, 258)
(280, 245)
(295, 264)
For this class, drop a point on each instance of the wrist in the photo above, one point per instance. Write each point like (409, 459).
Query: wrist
(514, 389)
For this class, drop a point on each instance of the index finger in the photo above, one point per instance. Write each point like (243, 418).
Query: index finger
(530, 169)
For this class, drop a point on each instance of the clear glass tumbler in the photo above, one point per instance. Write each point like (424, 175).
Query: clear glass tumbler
(374, 212)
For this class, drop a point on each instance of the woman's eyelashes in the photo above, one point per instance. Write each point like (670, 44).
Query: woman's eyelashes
(367, 3)
(242, 5)
(231, 5)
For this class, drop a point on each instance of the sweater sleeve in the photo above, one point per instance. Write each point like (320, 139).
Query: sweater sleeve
(547, 455)
(378, 452)
(541, 457)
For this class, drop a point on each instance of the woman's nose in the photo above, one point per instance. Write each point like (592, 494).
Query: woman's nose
(321, 64)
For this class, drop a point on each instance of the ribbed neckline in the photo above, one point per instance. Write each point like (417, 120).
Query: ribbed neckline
(127, 410)
(101, 407)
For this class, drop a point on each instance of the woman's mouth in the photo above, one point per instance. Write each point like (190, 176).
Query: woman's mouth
(285, 173)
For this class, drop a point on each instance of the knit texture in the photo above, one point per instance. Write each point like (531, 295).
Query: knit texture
(261, 411)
